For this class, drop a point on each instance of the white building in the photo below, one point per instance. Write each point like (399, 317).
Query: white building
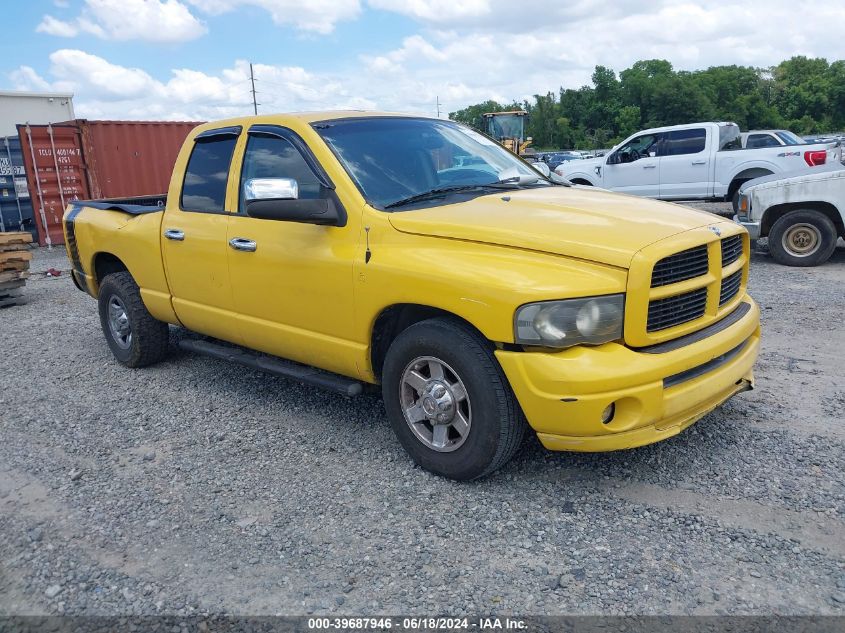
(37, 108)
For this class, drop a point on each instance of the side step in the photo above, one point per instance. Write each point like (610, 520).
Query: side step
(276, 366)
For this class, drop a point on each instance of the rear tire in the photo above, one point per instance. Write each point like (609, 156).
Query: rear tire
(427, 370)
(804, 237)
(135, 338)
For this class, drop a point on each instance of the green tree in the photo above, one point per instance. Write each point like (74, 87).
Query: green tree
(804, 94)
(471, 115)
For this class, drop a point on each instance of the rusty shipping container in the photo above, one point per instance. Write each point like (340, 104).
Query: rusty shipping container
(81, 160)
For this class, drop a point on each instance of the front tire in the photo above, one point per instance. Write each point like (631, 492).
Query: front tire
(804, 237)
(448, 400)
(135, 338)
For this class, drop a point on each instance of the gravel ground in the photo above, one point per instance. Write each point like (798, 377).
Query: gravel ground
(200, 487)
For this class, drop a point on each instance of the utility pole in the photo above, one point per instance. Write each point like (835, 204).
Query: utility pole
(252, 80)
(438, 107)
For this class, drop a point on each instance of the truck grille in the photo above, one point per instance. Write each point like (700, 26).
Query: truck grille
(730, 286)
(672, 311)
(681, 266)
(673, 294)
(731, 249)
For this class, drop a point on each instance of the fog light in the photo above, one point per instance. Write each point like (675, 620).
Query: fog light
(607, 414)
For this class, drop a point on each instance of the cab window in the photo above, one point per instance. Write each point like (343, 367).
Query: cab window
(275, 157)
(680, 142)
(204, 188)
(642, 146)
(761, 140)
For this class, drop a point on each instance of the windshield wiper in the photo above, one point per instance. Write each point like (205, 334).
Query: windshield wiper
(442, 191)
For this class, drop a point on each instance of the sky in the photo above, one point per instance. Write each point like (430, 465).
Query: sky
(189, 59)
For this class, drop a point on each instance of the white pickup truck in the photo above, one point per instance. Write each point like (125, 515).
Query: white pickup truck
(696, 161)
(802, 214)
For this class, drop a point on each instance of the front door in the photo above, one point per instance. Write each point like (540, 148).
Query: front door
(193, 239)
(292, 282)
(634, 168)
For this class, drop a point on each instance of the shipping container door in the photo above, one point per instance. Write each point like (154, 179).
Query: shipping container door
(15, 202)
(56, 174)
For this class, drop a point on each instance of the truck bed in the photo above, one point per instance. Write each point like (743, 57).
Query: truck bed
(134, 206)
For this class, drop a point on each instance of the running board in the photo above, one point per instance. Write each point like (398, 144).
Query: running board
(276, 366)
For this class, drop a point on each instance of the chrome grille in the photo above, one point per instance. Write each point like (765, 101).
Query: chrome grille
(731, 249)
(730, 286)
(672, 311)
(680, 266)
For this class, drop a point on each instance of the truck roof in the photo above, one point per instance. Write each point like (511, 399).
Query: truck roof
(308, 117)
(686, 126)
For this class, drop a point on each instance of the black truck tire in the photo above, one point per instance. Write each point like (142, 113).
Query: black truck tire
(135, 338)
(489, 413)
(804, 237)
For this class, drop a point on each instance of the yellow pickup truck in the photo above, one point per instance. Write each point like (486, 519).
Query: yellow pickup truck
(355, 249)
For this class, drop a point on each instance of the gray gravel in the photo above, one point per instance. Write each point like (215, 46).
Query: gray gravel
(199, 487)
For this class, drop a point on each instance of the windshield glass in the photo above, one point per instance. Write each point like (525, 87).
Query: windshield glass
(506, 126)
(392, 159)
(789, 138)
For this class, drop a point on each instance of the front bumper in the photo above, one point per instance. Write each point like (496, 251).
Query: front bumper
(655, 395)
(753, 228)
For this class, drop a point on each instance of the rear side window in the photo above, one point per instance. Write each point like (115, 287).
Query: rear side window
(761, 140)
(275, 157)
(204, 189)
(729, 137)
(680, 142)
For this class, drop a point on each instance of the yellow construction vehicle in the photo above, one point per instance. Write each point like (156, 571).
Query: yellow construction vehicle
(508, 128)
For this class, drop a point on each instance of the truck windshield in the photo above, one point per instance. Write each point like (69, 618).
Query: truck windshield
(393, 159)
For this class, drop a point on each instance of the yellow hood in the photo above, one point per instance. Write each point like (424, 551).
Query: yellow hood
(589, 224)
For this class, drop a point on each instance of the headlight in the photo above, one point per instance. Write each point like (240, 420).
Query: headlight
(743, 206)
(589, 321)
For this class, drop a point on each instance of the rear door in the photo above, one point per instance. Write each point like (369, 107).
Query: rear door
(193, 237)
(685, 163)
(634, 168)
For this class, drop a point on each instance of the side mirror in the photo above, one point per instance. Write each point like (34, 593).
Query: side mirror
(613, 158)
(278, 199)
(543, 168)
(270, 189)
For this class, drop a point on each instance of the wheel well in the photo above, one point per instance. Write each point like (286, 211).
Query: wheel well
(581, 181)
(392, 321)
(106, 264)
(743, 176)
(775, 213)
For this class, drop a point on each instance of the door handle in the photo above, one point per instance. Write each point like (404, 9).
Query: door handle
(175, 234)
(699, 162)
(243, 244)
(649, 166)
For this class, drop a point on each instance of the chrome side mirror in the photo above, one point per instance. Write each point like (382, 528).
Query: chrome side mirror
(271, 189)
(543, 168)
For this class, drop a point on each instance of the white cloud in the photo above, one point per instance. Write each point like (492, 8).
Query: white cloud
(106, 90)
(318, 16)
(504, 54)
(152, 20)
(493, 49)
(25, 78)
(438, 10)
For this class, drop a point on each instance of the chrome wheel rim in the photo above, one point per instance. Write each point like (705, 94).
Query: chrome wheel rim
(802, 240)
(435, 404)
(121, 330)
